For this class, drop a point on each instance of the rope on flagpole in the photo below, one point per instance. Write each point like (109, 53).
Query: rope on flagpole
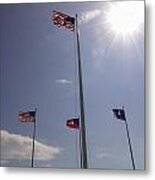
(75, 102)
(75, 79)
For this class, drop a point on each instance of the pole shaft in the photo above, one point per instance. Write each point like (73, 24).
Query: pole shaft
(83, 129)
(33, 144)
(80, 149)
(130, 147)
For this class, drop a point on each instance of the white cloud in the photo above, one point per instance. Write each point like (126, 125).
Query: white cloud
(103, 153)
(87, 16)
(63, 81)
(18, 147)
(110, 153)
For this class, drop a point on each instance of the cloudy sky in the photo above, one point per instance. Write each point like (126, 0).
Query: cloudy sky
(38, 70)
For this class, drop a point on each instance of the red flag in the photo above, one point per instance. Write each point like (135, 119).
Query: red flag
(27, 116)
(61, 19)
(73, 123)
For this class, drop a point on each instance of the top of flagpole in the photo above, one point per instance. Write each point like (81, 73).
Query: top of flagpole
(76, 21)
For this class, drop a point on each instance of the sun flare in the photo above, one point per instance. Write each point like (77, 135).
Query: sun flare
(124, 18)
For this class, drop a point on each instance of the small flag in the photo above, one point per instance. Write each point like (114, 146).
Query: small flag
(73, 123)
(27, 116)
(61, 19)
(119, 114)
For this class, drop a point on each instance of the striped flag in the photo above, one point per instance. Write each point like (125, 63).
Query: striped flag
(60, 19)
(27, 116)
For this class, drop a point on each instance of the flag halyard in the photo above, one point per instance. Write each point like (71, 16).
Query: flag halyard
(60, 19)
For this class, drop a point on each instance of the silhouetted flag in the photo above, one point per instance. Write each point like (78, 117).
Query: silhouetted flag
(61, 19)
(73, 123)
(27, 116)
(119, 114)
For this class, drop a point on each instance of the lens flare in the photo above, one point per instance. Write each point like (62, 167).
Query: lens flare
(124, 18)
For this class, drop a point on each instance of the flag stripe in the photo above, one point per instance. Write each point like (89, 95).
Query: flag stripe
(61, 19)
(27, 116)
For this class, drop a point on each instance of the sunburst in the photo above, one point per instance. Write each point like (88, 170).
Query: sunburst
(125, 18)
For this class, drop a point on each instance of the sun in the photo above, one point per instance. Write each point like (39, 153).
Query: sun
(124, 18)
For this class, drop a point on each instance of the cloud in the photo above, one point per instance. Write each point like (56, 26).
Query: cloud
(63, 81)
(87, 16)
(110, 153)
(102, 153)
(18, 147)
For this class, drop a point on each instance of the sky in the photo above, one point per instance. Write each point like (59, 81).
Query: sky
(38, 69)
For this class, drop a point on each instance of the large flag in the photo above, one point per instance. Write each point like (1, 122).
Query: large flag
(73, 123)
(119, 114)
(61, 19)
(27, 116)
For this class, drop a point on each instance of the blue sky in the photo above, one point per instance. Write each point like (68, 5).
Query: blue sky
(38, 71)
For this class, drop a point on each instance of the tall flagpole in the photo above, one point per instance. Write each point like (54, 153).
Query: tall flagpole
(80, 148)
(33, 144)
(84, 163)
(129, 143)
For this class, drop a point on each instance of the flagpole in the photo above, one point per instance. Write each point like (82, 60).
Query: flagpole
(80, 148)
(33, 144)
(129, 143)
(84, 163)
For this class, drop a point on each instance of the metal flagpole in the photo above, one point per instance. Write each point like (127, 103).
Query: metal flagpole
(34, 134)
(84, 163)
(80, 148)
(129, 142)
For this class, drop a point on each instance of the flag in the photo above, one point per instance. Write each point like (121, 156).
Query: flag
(119, 114)
(27, 116)
(61, 19)
(73, 123)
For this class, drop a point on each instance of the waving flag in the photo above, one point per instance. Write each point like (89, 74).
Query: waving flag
(73, 123)
(61, 19)
(119, 114)
(27, 116)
